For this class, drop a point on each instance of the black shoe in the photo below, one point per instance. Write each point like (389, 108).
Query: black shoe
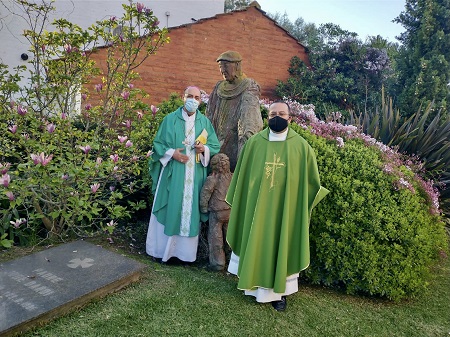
(174, 261)
(280, 305)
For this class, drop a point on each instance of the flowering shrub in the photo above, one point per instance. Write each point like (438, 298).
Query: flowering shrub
(379, 230)
(64, 172)
(398, 165)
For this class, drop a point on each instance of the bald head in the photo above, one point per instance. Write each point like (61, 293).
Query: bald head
(192, 99)
(192, 90)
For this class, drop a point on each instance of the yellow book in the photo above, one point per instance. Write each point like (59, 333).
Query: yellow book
(202, 138)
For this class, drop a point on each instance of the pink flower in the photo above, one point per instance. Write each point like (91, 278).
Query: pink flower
(21, 110)
(83, 97)
(41, 158)
(115, 168)
(432, 193)
(336, 115)
(140, 114)
(205, 97)
(18, 222)
(125, 95)
(340, 142)
(128, 144)
(65, 177)
(404, 183)
(13, 128)
(134, 158)
(12, 103)
(154, 109)
(149, 153)
(112, 188)
(131, 85)
(26, 136)
(95, 187)
(68, 48)
(112, 18)
(51, 128)
(36, 159)
(85, 149)
(10, 195)
(114, 157)
(98, 161)
(98, 87)
(4, 168)
(122, 138)
(140, 7)
(88, 106)
(387, 168)
(5, 180)
(127, 123)
(63, 115)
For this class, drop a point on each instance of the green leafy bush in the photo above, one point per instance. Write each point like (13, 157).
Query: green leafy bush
(171, 104)
(419, 135)
(374, 233)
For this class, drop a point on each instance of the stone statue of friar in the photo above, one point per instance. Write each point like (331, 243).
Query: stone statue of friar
(233, 106)
(212, 200)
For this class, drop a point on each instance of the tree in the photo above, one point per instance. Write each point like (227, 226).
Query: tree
(347, 73)
(232, 5)
(306, 33)
(423, 63)
(65, 171)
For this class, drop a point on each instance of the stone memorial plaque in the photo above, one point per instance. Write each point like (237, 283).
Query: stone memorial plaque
(50, 283)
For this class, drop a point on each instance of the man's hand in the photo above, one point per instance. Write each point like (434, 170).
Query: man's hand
(199, 147)
(178, 156)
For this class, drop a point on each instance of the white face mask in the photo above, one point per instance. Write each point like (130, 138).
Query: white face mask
(191, 104)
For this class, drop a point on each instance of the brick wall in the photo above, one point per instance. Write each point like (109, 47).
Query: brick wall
(189, 58)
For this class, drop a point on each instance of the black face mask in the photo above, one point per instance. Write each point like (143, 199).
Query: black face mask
(278, 124)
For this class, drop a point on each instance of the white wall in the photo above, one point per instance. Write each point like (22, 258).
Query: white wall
(86, 12)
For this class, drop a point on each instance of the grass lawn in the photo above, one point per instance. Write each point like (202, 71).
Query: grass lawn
(174, 300)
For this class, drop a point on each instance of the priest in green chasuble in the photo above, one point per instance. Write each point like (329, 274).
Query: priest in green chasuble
(182, 148)
(274, 188)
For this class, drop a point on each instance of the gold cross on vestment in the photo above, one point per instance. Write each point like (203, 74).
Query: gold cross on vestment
(271, 167)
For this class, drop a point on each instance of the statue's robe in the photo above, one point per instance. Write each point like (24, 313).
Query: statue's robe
(234, 111)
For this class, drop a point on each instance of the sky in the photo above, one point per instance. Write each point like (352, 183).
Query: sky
(364, 17)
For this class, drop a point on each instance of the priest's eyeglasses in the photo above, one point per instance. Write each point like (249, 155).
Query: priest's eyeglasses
(282, 114)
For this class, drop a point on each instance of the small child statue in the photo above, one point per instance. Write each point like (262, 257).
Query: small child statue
(212, 199)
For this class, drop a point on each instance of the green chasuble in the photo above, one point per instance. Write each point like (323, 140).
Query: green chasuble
(272, 193)
(167, 204)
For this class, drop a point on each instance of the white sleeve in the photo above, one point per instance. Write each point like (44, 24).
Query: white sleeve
(205, 157)
(167, 157)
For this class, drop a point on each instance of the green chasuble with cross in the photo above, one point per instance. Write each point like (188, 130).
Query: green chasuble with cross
(167, 206)
(272, 193)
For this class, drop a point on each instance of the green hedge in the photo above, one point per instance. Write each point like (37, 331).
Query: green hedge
(370, 235)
